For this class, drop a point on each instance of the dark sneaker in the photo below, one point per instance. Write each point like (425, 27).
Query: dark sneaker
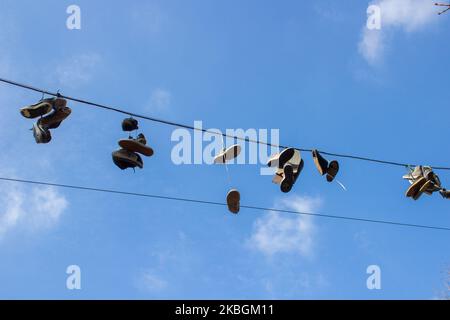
(54, 119)
(137, 145)
(129, 124)
(320, 162)
(445, 193)
(332, 170)
(233, 201)
(37, 110)
(41, 135)
(298, 170)
(281, 158)
(288, 178)
(125, 159)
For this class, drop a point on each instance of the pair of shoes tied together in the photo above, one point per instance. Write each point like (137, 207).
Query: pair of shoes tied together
(131, 149)
(289, 164)
(233, 196)
(51, 113)
(423, 180)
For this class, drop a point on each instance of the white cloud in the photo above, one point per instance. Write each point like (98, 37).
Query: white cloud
(77, 70)
(12, 202)
(406, 15)
(152, 282)
(275, 233)
(35, 209)
(160, 100)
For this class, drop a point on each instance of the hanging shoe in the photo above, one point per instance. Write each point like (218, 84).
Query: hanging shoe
(233, 201)
(41, 135)
(280, 159)
(37, 110)
(129, 124)
(419, 171)
(59, 114)
(414, 190)
(137, 145)
(426, 188)
(228, 154)
(278, 176)
(333, 169)
(435, 184)
(291, 172)
(320, 162)
(430, 187)
(445, 193)
(125, 159)
(288, 178)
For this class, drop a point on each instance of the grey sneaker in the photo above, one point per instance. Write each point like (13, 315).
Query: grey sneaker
(125, 159)
(41, 135)
(228, 154)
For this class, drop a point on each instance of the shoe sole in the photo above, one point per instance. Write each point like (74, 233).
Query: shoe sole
(36, 110)
(288, 179)
(414, 189)
(426, 187)
(332, 171)
(229, 154)
(283, 157)
(233, 199)
(54, 121)
(319, 167)
(121, 157)
(134, 146)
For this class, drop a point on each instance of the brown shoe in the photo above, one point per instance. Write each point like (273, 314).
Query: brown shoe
(137, 145)
(59, 114)
(233, 201)
(427, 187)
(332, 170)
(414, 190)
(125, 159)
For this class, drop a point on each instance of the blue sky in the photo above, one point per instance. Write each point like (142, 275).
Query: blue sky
(309, 69)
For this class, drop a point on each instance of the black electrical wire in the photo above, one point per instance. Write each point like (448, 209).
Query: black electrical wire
(145, 195)
(180, 125)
